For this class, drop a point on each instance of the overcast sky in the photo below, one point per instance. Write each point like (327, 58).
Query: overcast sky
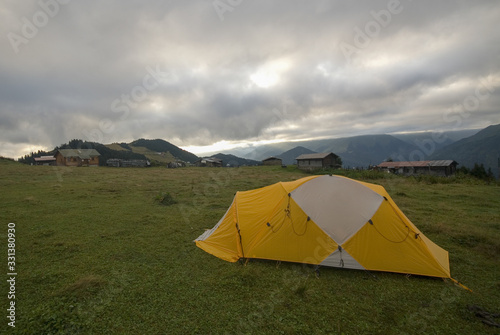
(231, 72)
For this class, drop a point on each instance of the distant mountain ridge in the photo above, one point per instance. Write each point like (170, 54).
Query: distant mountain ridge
(365, 150)
(356, 151)
(232, 160)
(288, 157)
(348, 144)
(482, 148)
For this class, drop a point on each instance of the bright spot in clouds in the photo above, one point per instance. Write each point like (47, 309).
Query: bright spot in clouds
(264, 79)
(269, 74)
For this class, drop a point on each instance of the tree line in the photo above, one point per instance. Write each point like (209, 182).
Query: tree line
(478, 171)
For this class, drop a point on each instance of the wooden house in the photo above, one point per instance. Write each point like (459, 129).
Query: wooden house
(77, 157)
(319, 161)
(409, 168)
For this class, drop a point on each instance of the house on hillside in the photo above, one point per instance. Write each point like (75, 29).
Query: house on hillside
(272, 161)
(410, 168)
(208, 162)
(319, 161)
(45, 160)
(77, 157)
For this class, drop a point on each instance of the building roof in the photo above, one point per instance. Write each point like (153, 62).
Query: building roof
(271, 158)
(81, 153)
(443, 162)
(45, 159)
(320, 155)
(395, 165)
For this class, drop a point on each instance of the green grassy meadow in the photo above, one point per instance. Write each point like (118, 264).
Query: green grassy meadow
(97, 253)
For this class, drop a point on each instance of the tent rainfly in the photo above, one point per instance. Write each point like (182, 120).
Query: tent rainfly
(328, 221)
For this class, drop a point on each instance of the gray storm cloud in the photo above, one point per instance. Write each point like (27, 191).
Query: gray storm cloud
(199, 72)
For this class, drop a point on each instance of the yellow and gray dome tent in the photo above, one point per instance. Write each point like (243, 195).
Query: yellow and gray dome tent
(324, 220)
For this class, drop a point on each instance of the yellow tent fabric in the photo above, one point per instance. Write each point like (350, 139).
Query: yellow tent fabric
(324, 220)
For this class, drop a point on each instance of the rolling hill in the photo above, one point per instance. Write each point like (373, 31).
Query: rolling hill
(157, 151)
(161, 146)
(105, 151)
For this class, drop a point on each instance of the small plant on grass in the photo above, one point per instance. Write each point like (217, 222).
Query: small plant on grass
(301, 290)
(165, 199)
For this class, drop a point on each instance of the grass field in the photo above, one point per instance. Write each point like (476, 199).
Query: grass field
(98, 253)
